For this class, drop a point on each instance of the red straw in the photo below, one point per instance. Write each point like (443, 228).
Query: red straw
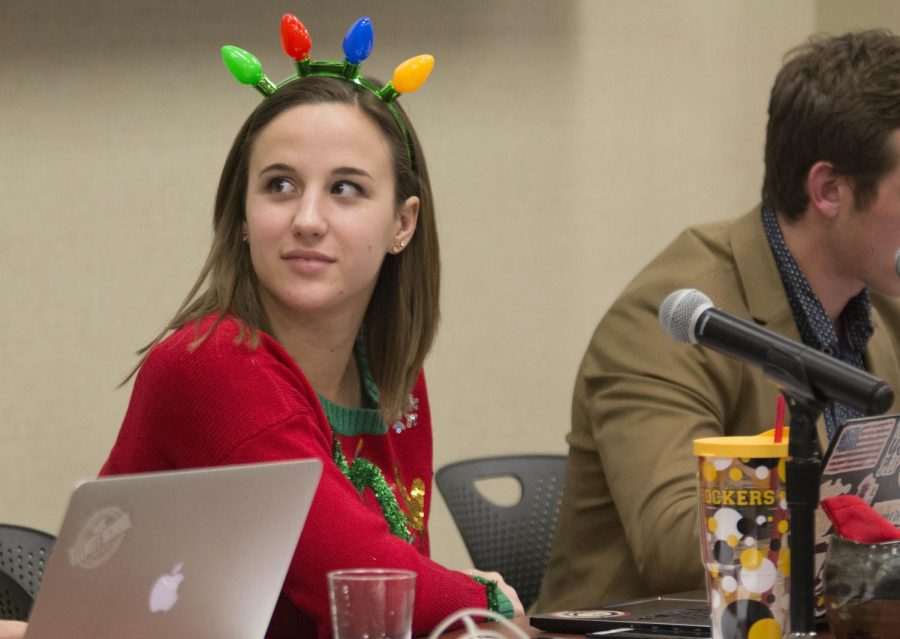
(779, 419)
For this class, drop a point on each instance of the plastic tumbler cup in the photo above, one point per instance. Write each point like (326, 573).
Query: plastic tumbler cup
(744, 526)
(371, 603)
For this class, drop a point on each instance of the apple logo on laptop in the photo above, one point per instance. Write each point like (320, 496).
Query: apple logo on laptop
(164, 594)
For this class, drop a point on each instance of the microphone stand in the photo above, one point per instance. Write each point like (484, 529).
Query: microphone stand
(804, 469)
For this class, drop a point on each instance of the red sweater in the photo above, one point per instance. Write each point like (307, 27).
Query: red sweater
(227, 403)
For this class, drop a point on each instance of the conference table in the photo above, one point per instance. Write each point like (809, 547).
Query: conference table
(522, 624)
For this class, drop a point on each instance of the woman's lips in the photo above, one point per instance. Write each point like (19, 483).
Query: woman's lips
(307, 262)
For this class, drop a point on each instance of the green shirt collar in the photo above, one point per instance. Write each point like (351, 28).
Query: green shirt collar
(357, 421)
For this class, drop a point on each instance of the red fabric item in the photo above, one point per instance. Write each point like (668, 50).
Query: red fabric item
(226, 403)
(856, 520)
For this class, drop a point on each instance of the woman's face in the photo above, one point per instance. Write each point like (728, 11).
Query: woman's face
(321, 211)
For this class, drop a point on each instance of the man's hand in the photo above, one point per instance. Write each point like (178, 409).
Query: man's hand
(12, 629)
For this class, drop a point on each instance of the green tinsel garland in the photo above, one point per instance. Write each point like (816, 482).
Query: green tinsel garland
(364, 474)
(493, 600)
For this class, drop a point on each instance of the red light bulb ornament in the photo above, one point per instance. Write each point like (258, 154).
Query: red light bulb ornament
(296, 43)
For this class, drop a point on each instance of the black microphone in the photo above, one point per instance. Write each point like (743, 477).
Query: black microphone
(897, 262)
(688, 316)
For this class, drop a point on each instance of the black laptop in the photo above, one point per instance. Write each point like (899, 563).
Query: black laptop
(863, 459)
(679, 615)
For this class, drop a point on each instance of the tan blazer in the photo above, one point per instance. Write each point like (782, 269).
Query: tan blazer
(628, 523)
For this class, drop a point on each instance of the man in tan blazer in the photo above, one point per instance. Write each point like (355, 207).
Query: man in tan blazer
(814, 263)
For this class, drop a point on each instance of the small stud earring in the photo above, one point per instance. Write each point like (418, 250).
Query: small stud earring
(245, 237)
(398, 247)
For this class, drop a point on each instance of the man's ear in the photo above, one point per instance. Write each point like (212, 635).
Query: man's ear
(828, 190)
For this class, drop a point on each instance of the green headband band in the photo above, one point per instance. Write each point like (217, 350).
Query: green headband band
(408, 76)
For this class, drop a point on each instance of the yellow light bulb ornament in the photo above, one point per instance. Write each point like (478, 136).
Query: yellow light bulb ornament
(408, 77)
(411, 74)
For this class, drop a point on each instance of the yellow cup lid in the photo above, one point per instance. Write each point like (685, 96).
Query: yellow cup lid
(762, 445)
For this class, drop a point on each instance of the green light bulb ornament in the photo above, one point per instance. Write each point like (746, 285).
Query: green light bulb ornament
(247, 69)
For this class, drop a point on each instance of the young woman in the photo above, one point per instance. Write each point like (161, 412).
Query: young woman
(304, 336)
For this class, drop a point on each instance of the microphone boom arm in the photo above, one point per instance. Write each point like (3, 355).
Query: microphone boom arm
(784, 362)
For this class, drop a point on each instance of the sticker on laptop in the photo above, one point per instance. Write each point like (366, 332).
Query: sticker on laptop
(591, 614)
(100, 538)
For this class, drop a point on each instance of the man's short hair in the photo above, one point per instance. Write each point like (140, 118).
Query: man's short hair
(836, 99)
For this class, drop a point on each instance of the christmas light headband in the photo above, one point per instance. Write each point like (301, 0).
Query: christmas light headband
(408, 76)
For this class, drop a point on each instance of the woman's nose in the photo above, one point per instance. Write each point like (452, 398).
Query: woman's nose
(308, 218)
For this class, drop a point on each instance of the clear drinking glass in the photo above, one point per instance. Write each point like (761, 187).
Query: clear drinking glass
(371, 603)
(862, 589)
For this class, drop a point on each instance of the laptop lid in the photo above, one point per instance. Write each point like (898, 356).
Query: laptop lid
(679, 615)
(862, 459)
(191, 553)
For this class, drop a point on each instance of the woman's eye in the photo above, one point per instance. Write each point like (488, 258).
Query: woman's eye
(346, 188)
(279, 185)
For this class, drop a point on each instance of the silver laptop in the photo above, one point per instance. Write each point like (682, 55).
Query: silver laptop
(194, 553)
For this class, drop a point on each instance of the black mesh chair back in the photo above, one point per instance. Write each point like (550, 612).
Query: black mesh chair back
(23, 556)
(512, 540)
(15, 602)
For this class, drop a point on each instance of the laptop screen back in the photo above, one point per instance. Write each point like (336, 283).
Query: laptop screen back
(863, 459)
(189, 553)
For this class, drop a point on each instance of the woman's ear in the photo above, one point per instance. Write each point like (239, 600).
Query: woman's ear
(407, 218)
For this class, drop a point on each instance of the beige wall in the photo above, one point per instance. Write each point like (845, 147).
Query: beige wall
(568, 142)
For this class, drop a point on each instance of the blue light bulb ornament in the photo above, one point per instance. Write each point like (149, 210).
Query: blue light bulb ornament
(357, 46)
